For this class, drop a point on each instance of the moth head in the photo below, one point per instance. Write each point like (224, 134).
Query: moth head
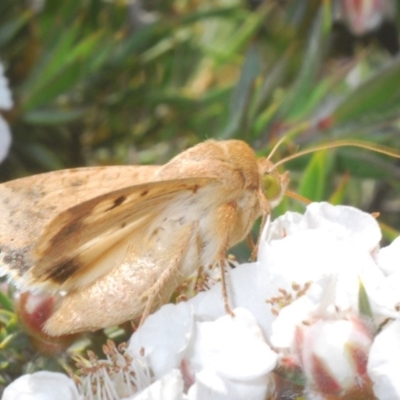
(274, 184)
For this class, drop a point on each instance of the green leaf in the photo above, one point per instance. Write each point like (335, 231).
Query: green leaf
(9, 29)
(365, 164)
(40, 155)
(52, 61)
(298, 99)
(242, 35)
(364, 306)
(5, 302)
(380, 92)
(52, 117)
(60, 84)
(337, 197)
(388, 232)
(241, 95)
(314, 179)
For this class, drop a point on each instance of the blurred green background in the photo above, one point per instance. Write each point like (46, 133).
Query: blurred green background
(99, 82)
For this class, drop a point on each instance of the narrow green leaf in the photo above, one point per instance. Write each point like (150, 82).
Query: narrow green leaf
(9, 29)
(52, 61)
(5, 302)
(337, 197)
(365, 164)
(273, 78)
(374, 96)
(52, 117)
(6, 342)
(364, 306)
(85, 47)
(388, 232)
(304, 86)
(60, 84)
(242, 35)
(40, 155)
(314, 179)
(241, 95)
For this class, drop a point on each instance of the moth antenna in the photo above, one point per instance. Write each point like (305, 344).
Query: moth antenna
(275, 148)
(341, 143)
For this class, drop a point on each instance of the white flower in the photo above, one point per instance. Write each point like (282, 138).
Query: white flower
(5, 138)
(164, 337)
(42, 385)
(169, 387)
(384, 363)
(385, 297)
(6, 103)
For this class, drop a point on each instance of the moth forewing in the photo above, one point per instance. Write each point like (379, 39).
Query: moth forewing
(73, 243)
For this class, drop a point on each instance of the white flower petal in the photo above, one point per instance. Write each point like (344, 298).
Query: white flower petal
(248, 287)
(384, 363)
(284, 327)
(385, 298)
(283, 226)
(5, 138)
(169, 387)
(210, 386)
(42, 385)
(355, 227)
(388, 257)
(164, 337)
(233, 347)
(5, 94)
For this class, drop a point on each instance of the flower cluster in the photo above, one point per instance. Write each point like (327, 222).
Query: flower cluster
(318, 314)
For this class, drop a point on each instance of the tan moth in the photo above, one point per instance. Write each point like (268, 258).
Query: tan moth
(116, 241)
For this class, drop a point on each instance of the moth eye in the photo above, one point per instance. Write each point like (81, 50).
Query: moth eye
(272, 186)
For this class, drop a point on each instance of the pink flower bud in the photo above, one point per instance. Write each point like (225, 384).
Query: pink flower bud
(362, 16)
(33, 310)
(334, 354)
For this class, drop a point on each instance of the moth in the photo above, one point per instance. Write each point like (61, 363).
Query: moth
(116, 241)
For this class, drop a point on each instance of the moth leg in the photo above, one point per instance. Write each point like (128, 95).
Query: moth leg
(266, 208)
(226, 219)
(252, 245)
(227, 305)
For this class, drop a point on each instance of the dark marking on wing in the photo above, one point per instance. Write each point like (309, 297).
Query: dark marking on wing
(17, 260)
(66, 231)
(117, 202)
(144, 193)
(64, 270)
(195, 188)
